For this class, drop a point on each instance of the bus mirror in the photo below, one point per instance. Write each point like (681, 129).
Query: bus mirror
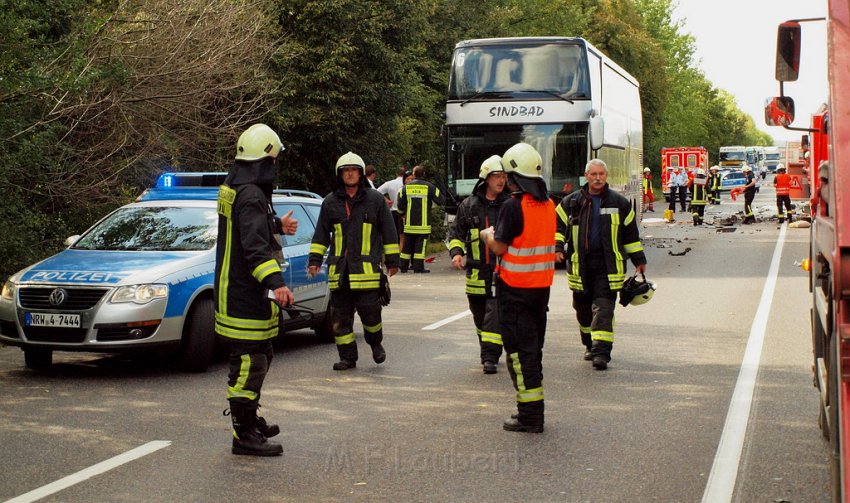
(788, 51)
(779, 111)
(597, 132)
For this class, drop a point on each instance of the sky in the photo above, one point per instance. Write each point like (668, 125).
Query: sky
(736, 50)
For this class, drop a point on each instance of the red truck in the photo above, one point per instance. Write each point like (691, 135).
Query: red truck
(689, 158)
(828, 171)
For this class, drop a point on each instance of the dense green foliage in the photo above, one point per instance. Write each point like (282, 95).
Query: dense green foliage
(97, 97)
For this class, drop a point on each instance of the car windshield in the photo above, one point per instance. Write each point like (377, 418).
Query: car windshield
(154, 228)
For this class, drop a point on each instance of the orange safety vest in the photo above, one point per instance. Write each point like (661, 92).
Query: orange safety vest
(782, 181)
(529, 261)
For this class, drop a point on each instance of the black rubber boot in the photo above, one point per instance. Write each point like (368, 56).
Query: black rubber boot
(601, 354)
(268, 430)
(378, 353)
(344, 365)
(247, 439)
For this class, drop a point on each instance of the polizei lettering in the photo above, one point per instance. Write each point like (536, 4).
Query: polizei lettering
(516, 111)
(76, 276)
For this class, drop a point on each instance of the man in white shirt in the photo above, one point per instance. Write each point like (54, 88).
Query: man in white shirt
(390, 190)
(678, 184)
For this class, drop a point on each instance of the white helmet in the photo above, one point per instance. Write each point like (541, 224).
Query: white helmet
(646, 170)
(746, 168)
(636, 292)
(351, 159)
(257, 142)
(492, 164)
(522, 159)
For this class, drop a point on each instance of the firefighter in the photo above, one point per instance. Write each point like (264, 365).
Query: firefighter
(698, 195)
(648, 195)
(247, 270)
(477, 212)
(524, 239)
(596, 231)
(782, 182)
(415, 202)
(714, 185)
(749, 194)
(356, 224)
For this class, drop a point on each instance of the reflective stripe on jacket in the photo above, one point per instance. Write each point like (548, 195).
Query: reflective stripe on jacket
(782, 181)
(474, 214)
(414, 202)
(529, 261)
(360, 234)
(620, 235)
(246, 267)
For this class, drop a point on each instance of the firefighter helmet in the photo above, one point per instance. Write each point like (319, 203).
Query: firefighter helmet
(350, 159)
(715, 168)
(746, 168)
(636, 292)
(646, 170)
(257, 142)
(492, 164)
(522, 159)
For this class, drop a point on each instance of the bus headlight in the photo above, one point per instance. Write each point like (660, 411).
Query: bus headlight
(9, 290)
(140, 294)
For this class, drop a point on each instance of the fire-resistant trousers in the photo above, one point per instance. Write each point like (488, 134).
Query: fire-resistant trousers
(522, 316)
(249, 364)
(594, 306)
(784, 201)
(414, 247)
(344, 302)
(485, 315)
(748, 203)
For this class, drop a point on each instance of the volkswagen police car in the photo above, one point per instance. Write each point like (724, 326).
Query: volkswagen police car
(142, 277)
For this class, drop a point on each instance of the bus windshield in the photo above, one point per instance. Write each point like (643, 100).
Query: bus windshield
(541, 67)
(562, 146)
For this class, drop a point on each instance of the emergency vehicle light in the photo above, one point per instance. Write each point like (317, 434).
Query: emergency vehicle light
(173, 180)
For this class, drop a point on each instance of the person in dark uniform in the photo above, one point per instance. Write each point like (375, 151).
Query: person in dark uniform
(749, 195)
(596, 232)
(477, 212)
(248, 284)
(415, 202)
(356, 224)
(524, 240)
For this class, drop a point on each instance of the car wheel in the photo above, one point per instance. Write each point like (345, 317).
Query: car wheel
(38, 359)
(198, 345)
(324, 329)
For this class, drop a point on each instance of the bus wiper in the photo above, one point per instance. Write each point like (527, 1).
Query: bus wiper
(482, 94)
(566, 98)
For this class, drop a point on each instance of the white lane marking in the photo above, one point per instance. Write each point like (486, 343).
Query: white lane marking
(102, 467)
(448, 320)
(724, 471)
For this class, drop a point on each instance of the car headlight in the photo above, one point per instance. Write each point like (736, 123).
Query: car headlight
(140, 294)
(9, 290)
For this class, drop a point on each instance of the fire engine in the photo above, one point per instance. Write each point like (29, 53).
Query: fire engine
(828, 264)
(689, 158)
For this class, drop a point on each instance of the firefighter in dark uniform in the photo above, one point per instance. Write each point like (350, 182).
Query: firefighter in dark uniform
(597, 230)
(477, 212)
(414, 202)
(356, 224)
(247, 271)
(714, 185)
(699, 195)
(524, 240)
(749, 195)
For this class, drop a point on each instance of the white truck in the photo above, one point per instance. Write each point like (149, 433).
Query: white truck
(733, 157)
(772, 158)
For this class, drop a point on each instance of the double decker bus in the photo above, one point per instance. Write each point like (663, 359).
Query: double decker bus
(559, 94)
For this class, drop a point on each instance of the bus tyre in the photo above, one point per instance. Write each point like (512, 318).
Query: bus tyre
(38, 358)
(198, 344)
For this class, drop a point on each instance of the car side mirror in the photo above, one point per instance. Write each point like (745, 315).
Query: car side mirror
(70, 240)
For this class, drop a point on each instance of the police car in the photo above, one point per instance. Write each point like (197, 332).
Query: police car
(142, 277)
(731, 179)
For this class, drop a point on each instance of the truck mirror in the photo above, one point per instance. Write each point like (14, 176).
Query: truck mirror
(788, 51)
(779, 111)
(597, 132)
